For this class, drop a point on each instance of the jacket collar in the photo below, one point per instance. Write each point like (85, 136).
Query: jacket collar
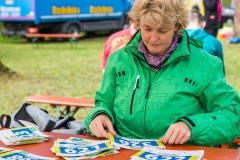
(181, 51)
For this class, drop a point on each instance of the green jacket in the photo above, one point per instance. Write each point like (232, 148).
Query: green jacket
(190, 87)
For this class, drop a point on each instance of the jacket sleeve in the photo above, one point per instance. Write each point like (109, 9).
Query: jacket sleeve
(104, 98)
(220, 123)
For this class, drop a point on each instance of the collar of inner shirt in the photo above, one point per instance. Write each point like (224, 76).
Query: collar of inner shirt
(157, 61)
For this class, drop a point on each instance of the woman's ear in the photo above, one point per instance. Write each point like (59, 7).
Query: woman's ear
(177, 27)
(177, 32)
(203, 24)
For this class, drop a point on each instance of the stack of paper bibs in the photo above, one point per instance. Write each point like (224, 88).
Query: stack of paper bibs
(6, 153)
(78, 148)
(22, 135)
(152, 149)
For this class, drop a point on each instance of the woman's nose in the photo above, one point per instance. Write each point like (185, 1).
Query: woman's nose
(154, 37)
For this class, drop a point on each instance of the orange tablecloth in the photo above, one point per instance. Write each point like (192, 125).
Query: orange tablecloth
(43, 149)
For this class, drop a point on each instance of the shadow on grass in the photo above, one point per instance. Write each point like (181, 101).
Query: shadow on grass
(8, 73)
(5, 70)
(12, 39)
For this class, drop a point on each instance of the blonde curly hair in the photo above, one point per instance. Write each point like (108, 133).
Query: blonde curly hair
(163, 13)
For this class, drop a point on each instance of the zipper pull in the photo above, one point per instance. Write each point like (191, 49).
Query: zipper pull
(149, 86)
(133, 94)
(137, 82)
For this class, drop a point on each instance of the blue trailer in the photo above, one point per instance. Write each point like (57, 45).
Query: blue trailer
(62, 16)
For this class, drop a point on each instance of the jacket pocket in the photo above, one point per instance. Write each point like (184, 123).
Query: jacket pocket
(133, 94)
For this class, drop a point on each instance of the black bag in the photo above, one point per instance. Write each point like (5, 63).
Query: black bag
(70, 125)
(29, 115)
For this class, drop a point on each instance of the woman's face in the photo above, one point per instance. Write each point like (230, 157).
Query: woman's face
(157, 40)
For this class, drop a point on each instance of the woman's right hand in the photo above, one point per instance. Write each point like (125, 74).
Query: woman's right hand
(101, 125)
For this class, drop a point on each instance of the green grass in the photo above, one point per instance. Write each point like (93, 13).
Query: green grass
(232, 64)
(56, 69)
(52, 69)
(226, 2)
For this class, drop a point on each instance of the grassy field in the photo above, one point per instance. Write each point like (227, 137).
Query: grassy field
(226, 2)
(52, 69)
(56, 69)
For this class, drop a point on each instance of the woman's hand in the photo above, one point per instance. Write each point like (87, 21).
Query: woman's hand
(177, 133)
(101, 125)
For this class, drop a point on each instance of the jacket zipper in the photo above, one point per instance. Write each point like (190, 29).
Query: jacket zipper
(149, 86)
(148, 89)
(134, 91)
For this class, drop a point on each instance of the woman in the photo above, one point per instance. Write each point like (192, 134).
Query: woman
(162, 85)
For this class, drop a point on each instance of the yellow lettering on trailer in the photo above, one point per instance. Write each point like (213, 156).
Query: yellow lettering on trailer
(101, 9)
(65, 10)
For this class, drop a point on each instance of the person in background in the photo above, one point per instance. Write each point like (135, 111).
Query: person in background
(213, 16)
(163, 85)
(117, 41)
(195, 29)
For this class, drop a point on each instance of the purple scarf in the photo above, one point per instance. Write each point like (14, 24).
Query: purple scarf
(156, 62)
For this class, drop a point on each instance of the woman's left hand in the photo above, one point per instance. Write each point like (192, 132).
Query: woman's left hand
(177, 133)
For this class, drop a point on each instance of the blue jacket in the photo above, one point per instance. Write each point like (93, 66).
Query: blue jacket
(211, 44)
